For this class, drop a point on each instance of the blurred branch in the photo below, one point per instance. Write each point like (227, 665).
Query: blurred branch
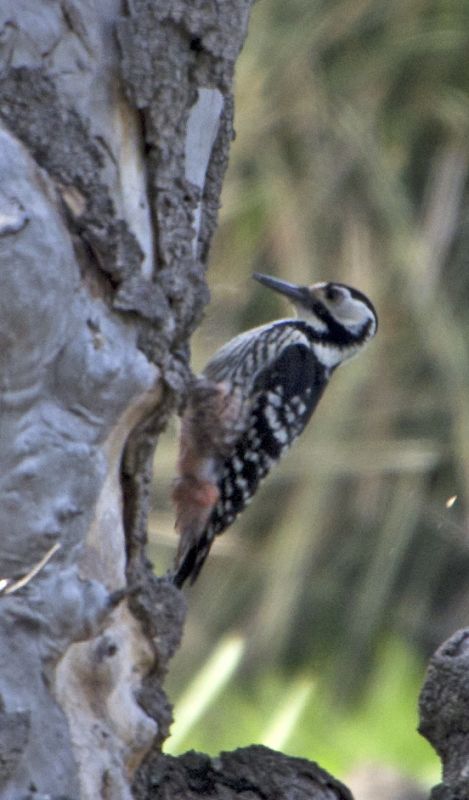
(204, 689)
(286, 716)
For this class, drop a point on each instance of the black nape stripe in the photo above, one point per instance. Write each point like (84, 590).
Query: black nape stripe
(336, 333)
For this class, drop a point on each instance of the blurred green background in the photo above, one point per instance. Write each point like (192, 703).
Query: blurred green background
(351, 565)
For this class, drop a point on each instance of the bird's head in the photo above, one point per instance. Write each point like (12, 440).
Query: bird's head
(341, 317)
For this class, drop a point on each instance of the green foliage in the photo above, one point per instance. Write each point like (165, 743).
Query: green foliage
(382, 729)
(351, 163)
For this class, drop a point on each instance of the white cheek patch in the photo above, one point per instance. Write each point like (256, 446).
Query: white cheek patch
(352, 312)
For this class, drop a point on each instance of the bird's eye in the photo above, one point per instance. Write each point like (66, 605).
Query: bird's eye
(333, 293)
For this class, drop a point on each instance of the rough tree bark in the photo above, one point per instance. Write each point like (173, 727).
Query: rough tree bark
(115, 127)
(115, 123)
(444, 715)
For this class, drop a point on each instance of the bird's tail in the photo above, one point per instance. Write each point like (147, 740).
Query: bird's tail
(190, 564)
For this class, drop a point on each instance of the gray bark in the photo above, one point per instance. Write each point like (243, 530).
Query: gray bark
(115, 123)
(444, 718)
(250, 772)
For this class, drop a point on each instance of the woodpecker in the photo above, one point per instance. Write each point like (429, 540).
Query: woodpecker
(253, 399)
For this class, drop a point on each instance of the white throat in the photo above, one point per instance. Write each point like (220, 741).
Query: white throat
(330, 355)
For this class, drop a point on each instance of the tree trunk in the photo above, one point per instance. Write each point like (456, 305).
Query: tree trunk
(115, 124)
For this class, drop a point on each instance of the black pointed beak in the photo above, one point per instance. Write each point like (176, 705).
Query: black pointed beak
(298, 294)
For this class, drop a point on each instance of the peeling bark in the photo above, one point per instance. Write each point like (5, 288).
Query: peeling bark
(115, 123)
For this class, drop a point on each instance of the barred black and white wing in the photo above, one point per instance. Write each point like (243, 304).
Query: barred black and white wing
(284, 395)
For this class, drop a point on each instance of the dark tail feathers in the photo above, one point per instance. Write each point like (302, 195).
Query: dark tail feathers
(192, 562)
